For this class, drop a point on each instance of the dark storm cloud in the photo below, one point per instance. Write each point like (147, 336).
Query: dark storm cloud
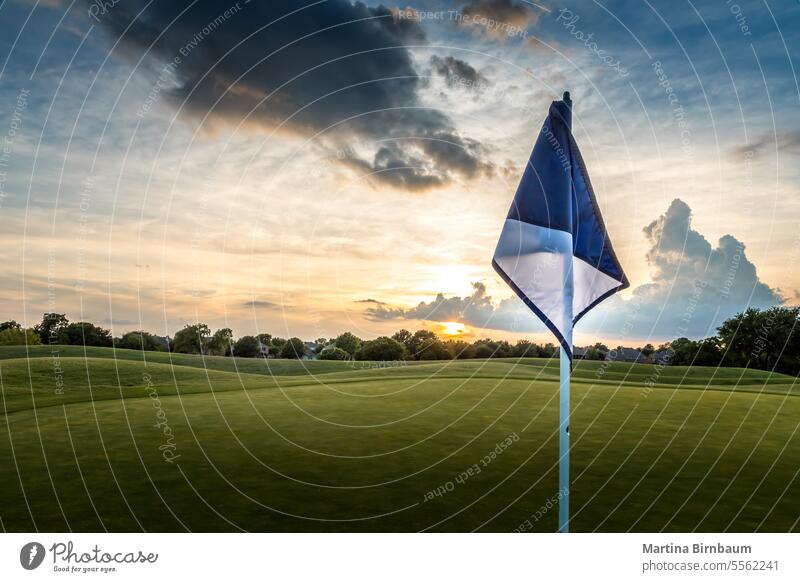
(458, 73)
(398, 166)
(335, 67)
(695, 286)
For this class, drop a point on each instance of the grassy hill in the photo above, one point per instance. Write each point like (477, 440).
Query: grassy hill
(100, 439)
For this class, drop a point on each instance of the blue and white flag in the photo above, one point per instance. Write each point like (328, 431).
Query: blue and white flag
(554, 251)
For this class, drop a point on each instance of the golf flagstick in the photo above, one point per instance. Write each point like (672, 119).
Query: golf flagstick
(554, 231)
(563, 444)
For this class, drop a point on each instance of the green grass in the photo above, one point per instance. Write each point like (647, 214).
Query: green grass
(328, 446)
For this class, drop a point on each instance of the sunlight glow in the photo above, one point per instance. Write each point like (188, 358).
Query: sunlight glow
(452, 328)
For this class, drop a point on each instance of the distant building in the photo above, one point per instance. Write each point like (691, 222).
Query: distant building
(627, 355)
(311, 351)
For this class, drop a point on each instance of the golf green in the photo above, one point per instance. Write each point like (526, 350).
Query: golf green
(97, 439)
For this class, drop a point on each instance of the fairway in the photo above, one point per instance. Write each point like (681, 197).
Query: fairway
(468, 445)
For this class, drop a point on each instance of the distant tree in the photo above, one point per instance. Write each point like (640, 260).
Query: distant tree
(647, 350)
(683, 351)
(421, 341)
(433, 350)
(83, 333)
(707, 352)
(220, 343)
(592, 353)
(192, 339)
(278, 342)
(264, 339)
(247, 347)
(686, 352)
(16, 336)
(406, 338)
(348, 342)
(140, 340)
(482, 349)
(383, 349)
(489, 348)
(51, 326)
(460, 349)
(9, 325)
(294, 349)
(764, 339)
(525, 349)
(333, 353)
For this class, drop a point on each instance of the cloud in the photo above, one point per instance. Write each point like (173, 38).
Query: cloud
(694, 287)
(458, 73)
(259, 304)
(788, 141)
(498, 18)
(695, 280)
(477, 310)
(336, 68)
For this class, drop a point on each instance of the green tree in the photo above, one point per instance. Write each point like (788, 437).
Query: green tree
(382, 349)
(489, 348)
(220, 343)
(592, 353)
(459, 349)
(9, 325)
(50, 327)
(348, 342)
(192, 339)
(247, 347)
(140, 340)
(766, 340)
(294, 349)
(333, 353)
(525, 349)
(482, 349)
(83, 333)
(406, 338)
(421, 341)
(683, 351)
(707, 352)
(647, 350)
(16, 336)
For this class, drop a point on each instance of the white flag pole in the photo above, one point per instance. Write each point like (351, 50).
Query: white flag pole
(563, 401)
(563, 445)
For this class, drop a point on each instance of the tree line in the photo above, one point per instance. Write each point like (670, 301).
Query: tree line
(761, 339)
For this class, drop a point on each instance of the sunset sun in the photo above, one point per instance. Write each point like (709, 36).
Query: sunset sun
(452, 328)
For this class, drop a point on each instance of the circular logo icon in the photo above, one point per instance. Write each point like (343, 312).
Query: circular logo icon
(31, 555)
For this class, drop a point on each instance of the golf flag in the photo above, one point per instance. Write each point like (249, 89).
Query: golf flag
(554, 251)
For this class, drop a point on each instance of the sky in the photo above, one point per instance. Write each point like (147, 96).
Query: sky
(308, 168)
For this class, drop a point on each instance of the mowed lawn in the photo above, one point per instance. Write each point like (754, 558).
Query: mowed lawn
(98, 439)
